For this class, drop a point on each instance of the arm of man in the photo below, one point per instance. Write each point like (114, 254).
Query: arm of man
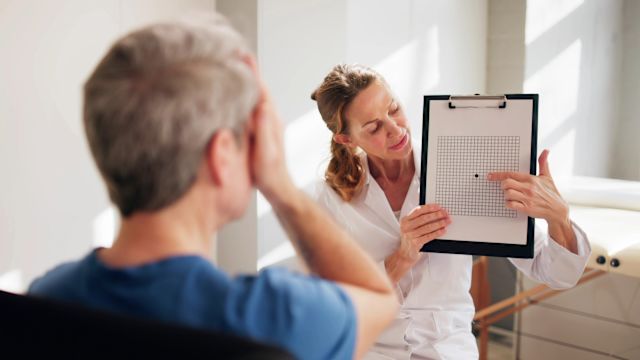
(331, 254)
(327, 249)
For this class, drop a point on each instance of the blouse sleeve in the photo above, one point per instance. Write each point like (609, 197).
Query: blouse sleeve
(554, 265)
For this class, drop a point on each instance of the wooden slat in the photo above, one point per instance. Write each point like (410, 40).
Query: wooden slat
(537, 293)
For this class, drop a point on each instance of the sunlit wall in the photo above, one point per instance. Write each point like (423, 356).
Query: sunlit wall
(53, 205)
(420, 47)
(627, 146)
(573, 60)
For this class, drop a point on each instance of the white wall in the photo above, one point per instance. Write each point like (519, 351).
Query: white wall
(573, 60)
(505, 75)
(583, 59)
(54, 206)
(505, 46)
(236, 248)
(420, 47)
(298, 42)
(628, 130)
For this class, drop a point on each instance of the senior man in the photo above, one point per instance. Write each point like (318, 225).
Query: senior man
(181, 129)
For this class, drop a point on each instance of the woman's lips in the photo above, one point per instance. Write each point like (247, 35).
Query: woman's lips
(401, 144)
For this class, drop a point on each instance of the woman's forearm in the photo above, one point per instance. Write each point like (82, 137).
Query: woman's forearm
(397, 265)
(562, 233)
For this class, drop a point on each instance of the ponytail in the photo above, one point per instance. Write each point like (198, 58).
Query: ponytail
(345, 173)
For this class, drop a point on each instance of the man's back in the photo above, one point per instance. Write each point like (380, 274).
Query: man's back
(309, 317)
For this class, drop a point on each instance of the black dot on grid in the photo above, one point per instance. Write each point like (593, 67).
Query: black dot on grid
(461, 159)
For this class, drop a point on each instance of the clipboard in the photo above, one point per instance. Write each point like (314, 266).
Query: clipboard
(464, 138)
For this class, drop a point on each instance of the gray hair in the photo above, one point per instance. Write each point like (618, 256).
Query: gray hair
(154, 102)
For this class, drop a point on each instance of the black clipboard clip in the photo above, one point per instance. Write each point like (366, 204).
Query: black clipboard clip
(501, 101)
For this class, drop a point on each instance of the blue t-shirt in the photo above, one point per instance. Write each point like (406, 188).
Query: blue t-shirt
(310, 317)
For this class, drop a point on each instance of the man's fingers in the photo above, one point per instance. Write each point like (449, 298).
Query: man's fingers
(250, 60)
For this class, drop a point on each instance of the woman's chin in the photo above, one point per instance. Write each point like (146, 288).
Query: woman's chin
(399, 155)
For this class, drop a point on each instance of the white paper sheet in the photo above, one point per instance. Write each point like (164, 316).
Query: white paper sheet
(464, 145)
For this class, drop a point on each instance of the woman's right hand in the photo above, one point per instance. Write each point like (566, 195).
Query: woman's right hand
(421, 225)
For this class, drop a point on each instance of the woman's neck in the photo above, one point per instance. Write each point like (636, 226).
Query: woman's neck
(394, 178)
(391, 171)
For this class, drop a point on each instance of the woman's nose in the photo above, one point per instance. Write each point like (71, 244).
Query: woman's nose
(393, 128)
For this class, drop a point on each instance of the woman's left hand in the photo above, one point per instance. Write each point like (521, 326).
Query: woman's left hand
(537, 196)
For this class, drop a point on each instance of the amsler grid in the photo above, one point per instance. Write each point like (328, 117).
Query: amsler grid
(461, 174)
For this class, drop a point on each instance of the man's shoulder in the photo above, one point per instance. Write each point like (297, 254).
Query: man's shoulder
(59, 279)
(76, 280)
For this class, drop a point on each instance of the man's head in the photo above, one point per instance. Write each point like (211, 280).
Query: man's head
(166, 102)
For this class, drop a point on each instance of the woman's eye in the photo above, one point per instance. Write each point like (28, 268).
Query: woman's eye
(374, 129)
(395, 109)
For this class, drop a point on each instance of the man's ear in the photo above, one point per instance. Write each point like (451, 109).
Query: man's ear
(343, 139)
(220, 156)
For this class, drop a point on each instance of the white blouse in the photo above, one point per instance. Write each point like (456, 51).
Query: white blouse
(434, 321)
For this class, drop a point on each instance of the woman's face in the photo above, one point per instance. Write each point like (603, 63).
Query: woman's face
(377, 124)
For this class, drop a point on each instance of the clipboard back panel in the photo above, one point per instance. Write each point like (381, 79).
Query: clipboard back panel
(462, 141)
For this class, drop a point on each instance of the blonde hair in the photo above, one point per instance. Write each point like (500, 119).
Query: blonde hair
(345, 173)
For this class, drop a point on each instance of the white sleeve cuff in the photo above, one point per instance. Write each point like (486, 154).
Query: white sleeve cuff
(563, 266)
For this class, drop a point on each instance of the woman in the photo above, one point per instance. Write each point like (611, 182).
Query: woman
(371, 187)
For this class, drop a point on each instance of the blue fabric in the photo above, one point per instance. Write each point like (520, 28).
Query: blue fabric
(310, 317)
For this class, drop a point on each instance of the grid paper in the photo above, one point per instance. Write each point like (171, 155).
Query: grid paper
(461, 174)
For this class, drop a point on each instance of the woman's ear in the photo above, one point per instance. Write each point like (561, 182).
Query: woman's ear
(220, 157)
(343, 139)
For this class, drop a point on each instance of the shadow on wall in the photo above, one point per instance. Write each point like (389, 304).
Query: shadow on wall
(406, 51)
(574, 65)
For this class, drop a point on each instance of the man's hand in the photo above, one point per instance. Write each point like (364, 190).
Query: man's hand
(268, 168)
(328, 251)
(538, 197)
